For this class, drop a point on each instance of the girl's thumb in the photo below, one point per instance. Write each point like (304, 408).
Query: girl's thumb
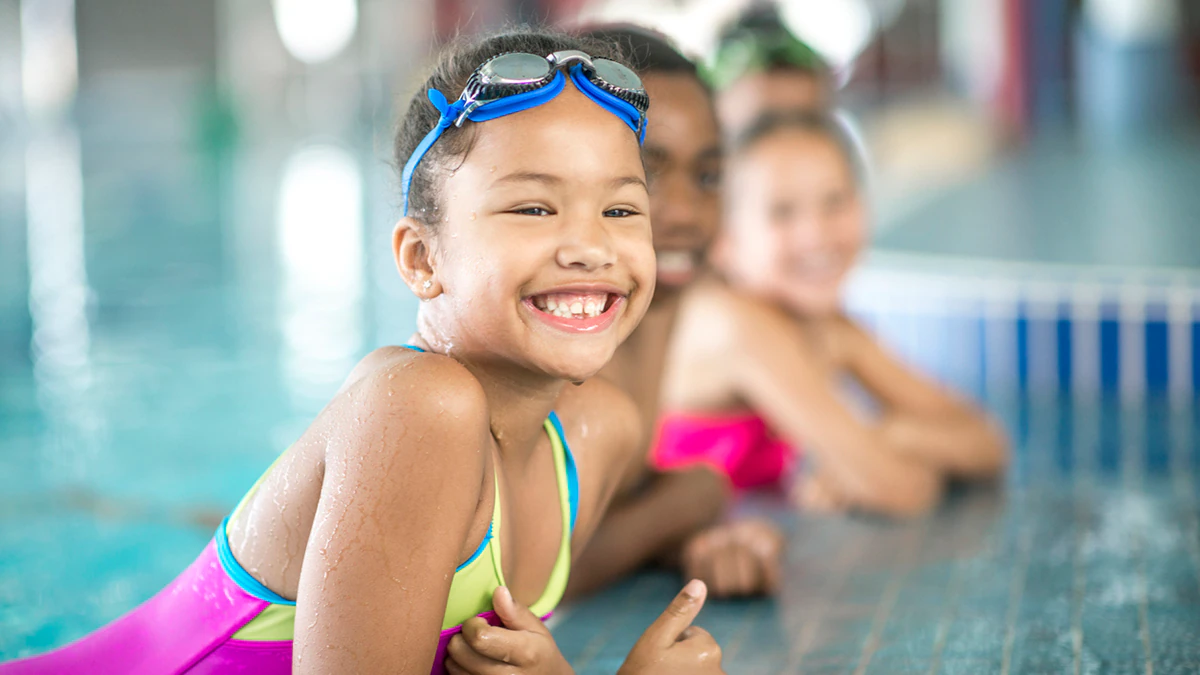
(515, 615)
(680, 614)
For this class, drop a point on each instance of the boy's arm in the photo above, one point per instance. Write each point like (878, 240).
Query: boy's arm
(622, 528)
(647, 525)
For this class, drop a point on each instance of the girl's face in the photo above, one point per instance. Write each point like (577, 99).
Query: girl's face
(544, 255)
(683, 160)
(795, 221)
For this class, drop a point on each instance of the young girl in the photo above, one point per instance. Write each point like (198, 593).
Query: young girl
(447, 484)
(750, 380)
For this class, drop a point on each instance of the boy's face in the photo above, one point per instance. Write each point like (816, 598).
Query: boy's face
(795, 224)
(772, 91)
(683, 163)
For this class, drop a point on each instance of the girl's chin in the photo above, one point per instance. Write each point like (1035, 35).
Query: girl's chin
(813, 302)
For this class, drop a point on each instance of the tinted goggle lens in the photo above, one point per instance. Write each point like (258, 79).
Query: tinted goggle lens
(519, 68)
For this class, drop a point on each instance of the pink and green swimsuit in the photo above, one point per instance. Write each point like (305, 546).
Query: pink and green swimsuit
(217, 618)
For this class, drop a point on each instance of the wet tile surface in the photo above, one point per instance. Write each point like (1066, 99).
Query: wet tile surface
(1091, 575)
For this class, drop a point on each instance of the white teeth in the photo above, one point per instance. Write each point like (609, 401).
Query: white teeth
(571, 305)
(675, 261)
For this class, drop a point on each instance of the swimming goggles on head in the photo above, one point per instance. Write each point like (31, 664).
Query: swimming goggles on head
(516, 81)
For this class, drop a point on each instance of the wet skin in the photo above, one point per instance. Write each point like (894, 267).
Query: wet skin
(365, 517)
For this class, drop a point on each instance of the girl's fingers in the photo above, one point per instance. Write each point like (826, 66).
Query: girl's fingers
(501, 644)
(466, 658)
(453, 668)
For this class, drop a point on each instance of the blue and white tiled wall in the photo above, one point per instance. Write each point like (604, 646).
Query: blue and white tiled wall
(998, 328)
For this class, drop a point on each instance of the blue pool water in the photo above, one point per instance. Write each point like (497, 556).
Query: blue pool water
(171, 319)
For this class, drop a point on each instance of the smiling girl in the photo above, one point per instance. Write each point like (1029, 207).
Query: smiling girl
(756, 369)
(447, 484)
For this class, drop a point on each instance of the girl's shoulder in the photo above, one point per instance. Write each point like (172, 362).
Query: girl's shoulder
(601, 422)
(404, 397)
(416, 378)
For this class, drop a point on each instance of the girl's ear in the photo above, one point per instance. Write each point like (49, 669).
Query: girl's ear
(414, 258)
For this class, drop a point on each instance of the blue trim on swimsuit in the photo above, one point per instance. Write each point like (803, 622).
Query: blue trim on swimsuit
(413, 347)
(239, 574)
(572, 473)
(479, 551)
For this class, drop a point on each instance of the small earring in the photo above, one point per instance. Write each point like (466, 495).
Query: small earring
(427, 285)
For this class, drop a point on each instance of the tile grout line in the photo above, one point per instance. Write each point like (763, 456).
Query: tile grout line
(1139, 553)
(809, 625)
(1079, 582)
(1143, 603)
(888, 599)
(949, 613)
(1016, 591)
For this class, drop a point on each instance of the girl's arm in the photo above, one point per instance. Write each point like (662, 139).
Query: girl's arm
(401, 486)
(778, 374)
(923, 420)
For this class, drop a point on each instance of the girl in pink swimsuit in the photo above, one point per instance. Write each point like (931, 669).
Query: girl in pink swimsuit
(760, 357)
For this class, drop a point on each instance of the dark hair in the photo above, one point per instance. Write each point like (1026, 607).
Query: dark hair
(758, 40)
(819, 124)
(453, 67)
(647, 50)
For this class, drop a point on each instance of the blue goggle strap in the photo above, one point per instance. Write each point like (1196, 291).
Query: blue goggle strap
(450, 112)
(622, 109)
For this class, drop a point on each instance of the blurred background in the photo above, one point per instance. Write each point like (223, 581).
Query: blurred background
(197, 196)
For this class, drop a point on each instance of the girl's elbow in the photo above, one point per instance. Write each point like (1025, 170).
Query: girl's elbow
(992, 456)
(915, 495)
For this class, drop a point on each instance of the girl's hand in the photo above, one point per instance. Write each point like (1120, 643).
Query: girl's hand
(672, 644)
(523, 645)
(817, 492)
(734, 559)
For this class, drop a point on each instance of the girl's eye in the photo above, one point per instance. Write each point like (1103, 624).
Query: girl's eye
(532, 211)
(619, 213)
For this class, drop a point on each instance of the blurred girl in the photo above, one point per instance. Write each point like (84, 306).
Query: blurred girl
(378, 536)
(749, 381)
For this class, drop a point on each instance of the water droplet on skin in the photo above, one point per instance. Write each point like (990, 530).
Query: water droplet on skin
(473, 215)
(492, 170)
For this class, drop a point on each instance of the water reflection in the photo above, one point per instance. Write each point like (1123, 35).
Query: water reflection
(320, 238)
(58, 299)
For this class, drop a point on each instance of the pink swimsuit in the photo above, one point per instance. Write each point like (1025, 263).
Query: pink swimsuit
(740, 446)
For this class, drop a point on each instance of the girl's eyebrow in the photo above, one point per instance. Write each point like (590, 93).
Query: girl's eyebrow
(550, 179)
(622, 181)
(528, 176)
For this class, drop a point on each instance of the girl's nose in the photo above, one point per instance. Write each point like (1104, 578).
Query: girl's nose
(586, 245)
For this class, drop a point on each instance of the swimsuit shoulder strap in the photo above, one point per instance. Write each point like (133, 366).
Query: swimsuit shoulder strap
(568, 493)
